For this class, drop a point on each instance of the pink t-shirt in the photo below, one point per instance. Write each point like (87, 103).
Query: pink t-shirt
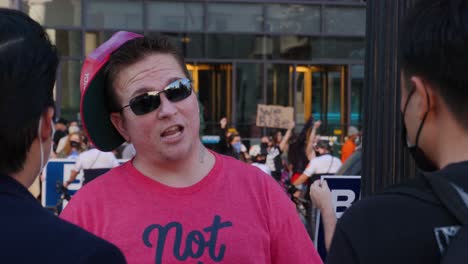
(236, 214)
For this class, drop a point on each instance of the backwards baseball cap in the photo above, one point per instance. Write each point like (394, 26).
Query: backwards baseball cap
(95, 116)
(325, 144)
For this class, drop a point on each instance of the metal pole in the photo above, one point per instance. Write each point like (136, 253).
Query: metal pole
(385, 161)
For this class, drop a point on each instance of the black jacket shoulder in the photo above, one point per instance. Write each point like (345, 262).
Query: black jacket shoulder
(392, 227)
(31, 234)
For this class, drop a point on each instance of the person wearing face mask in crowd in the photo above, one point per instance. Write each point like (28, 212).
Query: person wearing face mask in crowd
(423, 220)
(230, 143)
(72, 128)
(60, 131)
(73, 147)
(30, 233)
(324, 164)
(93, 163)
(258, 155)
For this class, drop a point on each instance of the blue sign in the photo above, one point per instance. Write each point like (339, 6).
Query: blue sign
(346, 190)
(210, 139)
(56, 172)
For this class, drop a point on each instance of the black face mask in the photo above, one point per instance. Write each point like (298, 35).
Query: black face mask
(422, 161)
(74, 144)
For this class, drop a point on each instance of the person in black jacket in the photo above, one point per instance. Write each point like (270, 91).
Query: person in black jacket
(414, 223)
(30, 233)
(230, 144)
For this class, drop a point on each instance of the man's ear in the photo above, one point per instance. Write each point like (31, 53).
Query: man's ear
(425, 93)
(119, 124)
(47, 123)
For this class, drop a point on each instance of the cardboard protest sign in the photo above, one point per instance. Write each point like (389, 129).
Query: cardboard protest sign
(274, 116)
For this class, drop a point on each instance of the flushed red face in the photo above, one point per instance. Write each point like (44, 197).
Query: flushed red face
(169, 132)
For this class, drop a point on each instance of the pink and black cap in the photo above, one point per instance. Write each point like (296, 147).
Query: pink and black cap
(95, 116)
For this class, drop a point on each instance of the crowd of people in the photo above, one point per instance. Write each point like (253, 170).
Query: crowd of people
(291, 159)
(70, 140)
(296, 158)
(176, 201)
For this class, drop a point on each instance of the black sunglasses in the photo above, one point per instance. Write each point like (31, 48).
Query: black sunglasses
(150, 101)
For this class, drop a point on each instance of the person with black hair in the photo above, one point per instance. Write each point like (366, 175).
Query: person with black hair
(277, 145)
(230, 143)
(423, 220)
(297, 157)
(258, 155)
(30, 233)
(60, 131)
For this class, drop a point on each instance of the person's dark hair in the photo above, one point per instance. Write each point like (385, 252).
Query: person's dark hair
(132, 52)
(28, 65)
(62, 121)
(433, 45)
(232, 137)
(297, 153)
(324, 144)
(274, 136)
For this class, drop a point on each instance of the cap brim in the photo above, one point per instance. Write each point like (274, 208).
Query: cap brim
(96, 117)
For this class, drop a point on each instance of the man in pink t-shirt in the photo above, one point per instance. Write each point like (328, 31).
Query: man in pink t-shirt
(175, 201)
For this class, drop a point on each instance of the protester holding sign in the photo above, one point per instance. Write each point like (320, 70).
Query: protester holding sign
(29, 233)
(175, 201)
(425, 220)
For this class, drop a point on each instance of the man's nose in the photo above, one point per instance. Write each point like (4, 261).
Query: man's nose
(167, 108)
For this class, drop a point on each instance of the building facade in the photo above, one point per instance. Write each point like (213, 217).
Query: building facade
(301, 53)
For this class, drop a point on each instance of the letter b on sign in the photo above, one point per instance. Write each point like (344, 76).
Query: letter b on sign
(342, 199)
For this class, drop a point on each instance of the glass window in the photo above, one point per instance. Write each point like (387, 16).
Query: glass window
(293, 19)
(345, 20)
(357, 86)
(307, 48)
(191, 45)
(118, 14)
(54, 12)
(291, 48)
(318, 94)
(327, 90)
(338, 48)
(175, 16)
(68, 94)
(334, 98)
(279, 84)
(234, 18)
(249, 93)
(95, 38)
(68, 42)
(214, 85)
(221, 46)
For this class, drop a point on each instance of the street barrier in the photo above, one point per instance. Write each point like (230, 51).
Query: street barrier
(346, 190)
(58, 170)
